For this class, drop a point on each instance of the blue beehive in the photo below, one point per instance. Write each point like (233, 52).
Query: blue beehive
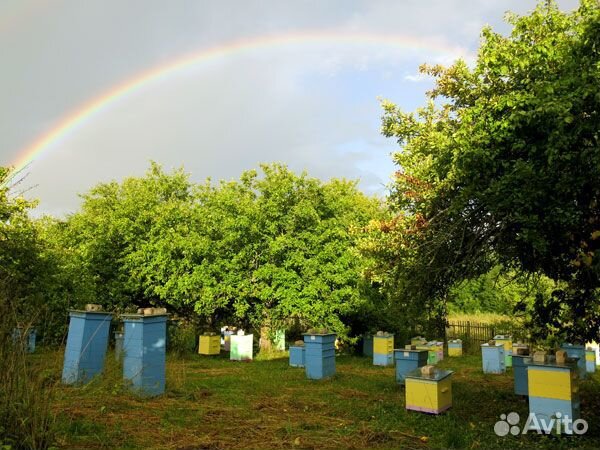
(319, 355)
(296, 355)
(553, 388)
(576, 351)
(407, 361)
(86, 345)
(144, 347)
(493, 359)
(17, 337)
(519, 363)
(383, 349)
(31, 340)
(367, 345)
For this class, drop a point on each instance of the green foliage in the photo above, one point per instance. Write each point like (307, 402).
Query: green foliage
(259, 252)
(497, 292)
(26, 421)
(502, 166)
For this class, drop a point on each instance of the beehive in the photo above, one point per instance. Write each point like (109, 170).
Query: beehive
(29, 344)
(209, 344)
(594, 346)
(119, 335)
(553, 388)
(87, 341)
(367, 345)
(383, 349)
(241, 347)
(436, 352)
(430, 393)
(520, 374)
(319, 355)
(493, 358)
(407, 361)
(418, 340)
(455, 347)
(576, 351)
(279, 341)
(227, 340)
(590, 360)
(296, 355)
(507, 341)
(144, 348)
(520, 349)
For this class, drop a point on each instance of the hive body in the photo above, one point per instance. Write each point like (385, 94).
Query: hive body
(407, 361)
(87, 341)
(429, 393)
(319, 355)
(144, 349)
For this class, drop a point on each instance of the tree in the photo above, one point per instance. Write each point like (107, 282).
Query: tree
(502, 166)
(259, 252)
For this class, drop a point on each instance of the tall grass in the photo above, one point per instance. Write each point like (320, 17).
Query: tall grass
(26, 421)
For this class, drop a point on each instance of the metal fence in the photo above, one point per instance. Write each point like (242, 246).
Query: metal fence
(473, 334)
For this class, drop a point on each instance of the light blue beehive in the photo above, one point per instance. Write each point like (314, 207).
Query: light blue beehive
(407, 361)
(493, 358)
(17, 337)
(519, 363)
(296, 355)
(553, 390)
(576, 351)
(144, 345)
(319, 355)
(86, 345)
(31, 340)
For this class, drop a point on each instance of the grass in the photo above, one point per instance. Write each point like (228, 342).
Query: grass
(485, 318)
(212, 403)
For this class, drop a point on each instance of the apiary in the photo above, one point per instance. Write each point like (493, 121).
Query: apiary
(493, 358)
(297, 354)
(576, 351)
(455, 347)
(87, 341)
(319, 355)
(367, 345)
(144, 348)
(209, 344)
(507, 341)
(383, 349)
(428, 391)
(553, 388)
(408, 360)
(520, 374)
(590, 360)
(241, 347)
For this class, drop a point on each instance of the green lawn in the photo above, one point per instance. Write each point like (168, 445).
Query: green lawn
(212, 403)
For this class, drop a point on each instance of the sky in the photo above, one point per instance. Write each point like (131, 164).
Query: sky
(297, 82)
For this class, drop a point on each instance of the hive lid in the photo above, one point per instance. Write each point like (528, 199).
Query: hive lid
(570, 363)
(436, 375)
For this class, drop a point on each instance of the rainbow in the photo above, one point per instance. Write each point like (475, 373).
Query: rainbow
(71, 122)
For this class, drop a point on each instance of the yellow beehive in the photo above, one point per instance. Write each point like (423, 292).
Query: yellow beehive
(383, 345)
(431, 393)
(209, 345)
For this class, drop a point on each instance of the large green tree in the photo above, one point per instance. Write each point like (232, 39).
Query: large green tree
(268, 249)
(502, 166)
